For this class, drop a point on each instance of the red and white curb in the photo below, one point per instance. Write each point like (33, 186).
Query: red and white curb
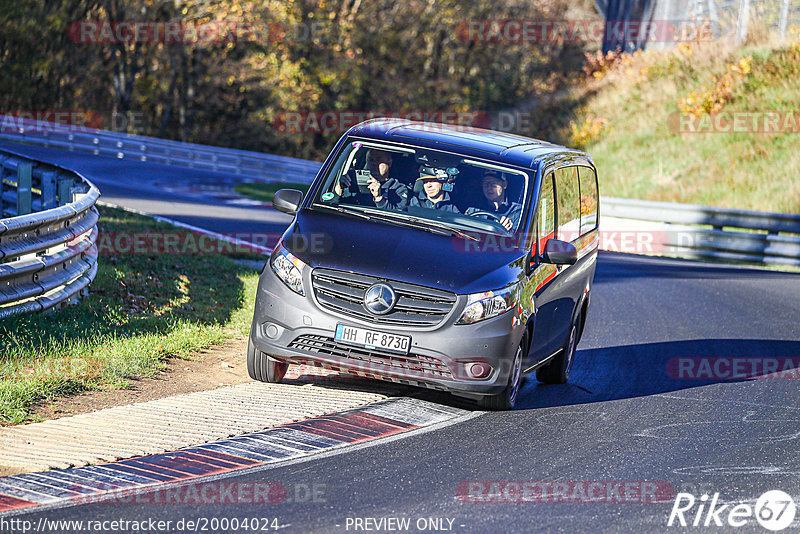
(52, 489)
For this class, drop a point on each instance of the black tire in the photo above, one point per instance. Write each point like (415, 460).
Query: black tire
(263, 368)
(508, 397)
(557, 371)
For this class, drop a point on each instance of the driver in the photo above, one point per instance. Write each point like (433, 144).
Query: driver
(494, 187)
(385, 192)
(433, 195)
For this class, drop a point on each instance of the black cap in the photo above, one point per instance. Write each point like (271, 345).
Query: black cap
(491, 173)
(427, 172)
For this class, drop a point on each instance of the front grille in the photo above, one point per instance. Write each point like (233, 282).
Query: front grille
(343, 292)
(374, 362)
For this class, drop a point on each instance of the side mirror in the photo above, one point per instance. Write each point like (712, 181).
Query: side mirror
(560, 253)
(287, 200)
(530, 263)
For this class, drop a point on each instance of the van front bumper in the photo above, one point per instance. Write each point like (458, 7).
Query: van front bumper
(296, 329)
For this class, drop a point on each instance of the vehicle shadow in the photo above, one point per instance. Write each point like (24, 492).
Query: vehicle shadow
(301, 375)
(613, 373)
(628, 371)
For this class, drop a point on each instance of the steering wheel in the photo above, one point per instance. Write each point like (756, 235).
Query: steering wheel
(487, 213)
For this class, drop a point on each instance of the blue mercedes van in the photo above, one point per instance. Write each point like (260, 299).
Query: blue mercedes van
(435, 256)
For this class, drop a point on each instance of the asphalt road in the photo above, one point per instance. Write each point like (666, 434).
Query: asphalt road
(627, 415)
(192, 196)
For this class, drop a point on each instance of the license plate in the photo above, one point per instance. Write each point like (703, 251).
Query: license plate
(372, 339)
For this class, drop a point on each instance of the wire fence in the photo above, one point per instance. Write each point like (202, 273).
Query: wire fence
(726, 19)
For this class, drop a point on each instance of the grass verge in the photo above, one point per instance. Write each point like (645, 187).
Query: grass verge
(264, 192)
(630, 117)
(142, 310)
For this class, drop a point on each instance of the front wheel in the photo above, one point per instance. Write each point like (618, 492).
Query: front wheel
(557, 371)
(263, 368)
(508, 397)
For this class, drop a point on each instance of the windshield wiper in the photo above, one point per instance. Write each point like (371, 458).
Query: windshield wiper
(425, 224)
(405, 220)
(348, 211)
(443, 226)
(412, 224)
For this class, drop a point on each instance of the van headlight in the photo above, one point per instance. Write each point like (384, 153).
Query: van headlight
(486, 305)
(288, 268)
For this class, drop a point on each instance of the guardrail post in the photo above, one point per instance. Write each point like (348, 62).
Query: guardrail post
(49, 199)
(714, 16)
(24, 199)
(742, 22)
(3, 188)
(784, 20)
(64, 191)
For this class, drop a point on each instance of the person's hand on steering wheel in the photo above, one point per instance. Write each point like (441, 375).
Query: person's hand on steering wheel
(485, 215)
(504, 221)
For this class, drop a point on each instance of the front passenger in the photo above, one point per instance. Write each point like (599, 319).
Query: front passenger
(433, 195)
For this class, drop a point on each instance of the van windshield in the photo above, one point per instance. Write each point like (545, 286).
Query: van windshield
(425, 185)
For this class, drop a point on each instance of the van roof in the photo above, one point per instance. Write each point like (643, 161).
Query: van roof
(475, 142)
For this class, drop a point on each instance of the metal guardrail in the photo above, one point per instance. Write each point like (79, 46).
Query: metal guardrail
(264, 167)
(703, 232)
(48, 231)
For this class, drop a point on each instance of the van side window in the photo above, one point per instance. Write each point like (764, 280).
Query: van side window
(569, 208)
(589, 199)
(546, 216)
